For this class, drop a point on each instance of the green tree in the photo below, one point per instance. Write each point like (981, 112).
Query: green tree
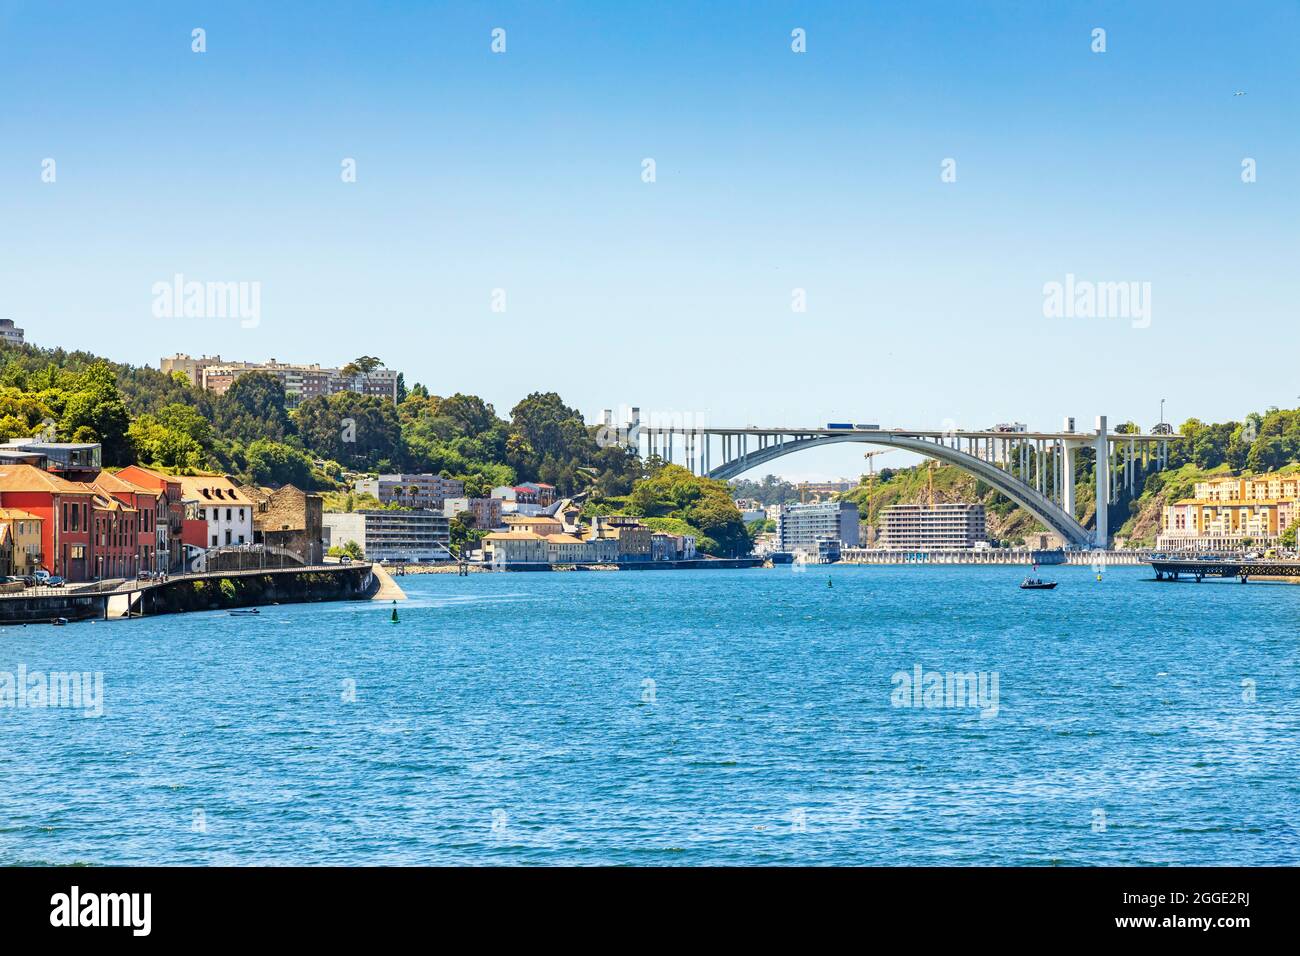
(94, 411)
(253, 407)
(358, 430)
(274, 463)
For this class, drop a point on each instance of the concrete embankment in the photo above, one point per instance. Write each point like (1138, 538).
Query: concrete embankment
(205, 592)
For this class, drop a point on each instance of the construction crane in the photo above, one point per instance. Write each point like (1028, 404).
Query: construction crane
(871, 478)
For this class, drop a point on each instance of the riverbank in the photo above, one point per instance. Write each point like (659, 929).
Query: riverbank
(693, 564)
(221, 590)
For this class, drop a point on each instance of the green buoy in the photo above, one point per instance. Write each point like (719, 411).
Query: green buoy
(829, 583)
(394, 617)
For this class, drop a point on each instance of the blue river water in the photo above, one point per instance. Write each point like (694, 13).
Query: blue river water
(679, 718)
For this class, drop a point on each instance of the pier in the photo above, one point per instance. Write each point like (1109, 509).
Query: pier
(1197, 569)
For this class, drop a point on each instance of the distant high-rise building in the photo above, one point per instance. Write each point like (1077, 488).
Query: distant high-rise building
(10, 333)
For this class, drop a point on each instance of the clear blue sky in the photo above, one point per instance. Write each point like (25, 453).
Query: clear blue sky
(775, 170)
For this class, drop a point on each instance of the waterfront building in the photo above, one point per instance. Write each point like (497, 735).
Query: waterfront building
(170, 524)
(516, 547)
(115, 538)
(486, 511)
(568, 549)
(419, 536)
(634, 538)
(148, 504)
(1224, 513)
(412, 491)
(665, 546)
(536, 524)
(20, 541)
(818, 529)
(64, 510)
(288, 520)
(10, 334)
(217, 513)
(952, 524)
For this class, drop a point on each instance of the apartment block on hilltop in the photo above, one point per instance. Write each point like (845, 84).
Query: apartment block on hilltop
(10, 334)
(300, 382)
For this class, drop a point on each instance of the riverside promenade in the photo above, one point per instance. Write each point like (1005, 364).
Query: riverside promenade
(206, 591)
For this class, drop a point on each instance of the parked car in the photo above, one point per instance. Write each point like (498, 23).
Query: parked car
(345, 559)
(54, 581)
(41, 575)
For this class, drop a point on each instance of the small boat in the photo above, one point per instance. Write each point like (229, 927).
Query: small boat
(58, 621)
(1036, 584)
(249, 610)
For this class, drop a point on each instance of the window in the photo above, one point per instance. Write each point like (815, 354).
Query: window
(214, 540)
(227, 516)
(227, 536)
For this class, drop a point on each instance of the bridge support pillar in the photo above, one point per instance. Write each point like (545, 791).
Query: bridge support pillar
(1101, 538)
(1067, 478)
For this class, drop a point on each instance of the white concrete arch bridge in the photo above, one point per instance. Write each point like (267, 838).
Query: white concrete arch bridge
(1030, 468)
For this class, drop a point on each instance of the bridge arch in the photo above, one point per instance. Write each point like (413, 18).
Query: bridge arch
(1031, 499)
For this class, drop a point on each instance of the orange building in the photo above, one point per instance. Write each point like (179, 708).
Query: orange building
(148, 504)
(64, 510)
(170, 514)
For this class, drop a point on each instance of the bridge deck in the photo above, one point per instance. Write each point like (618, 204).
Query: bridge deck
(905, 432)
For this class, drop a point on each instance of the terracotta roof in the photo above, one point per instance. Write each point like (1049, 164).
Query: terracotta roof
(211, 489)
(30, 478)
(563, 539)
(109, 503)
(17, 514)
(111, 483)
(149, 473)
(513, 536)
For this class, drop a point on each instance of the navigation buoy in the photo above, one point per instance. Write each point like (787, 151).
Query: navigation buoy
(394, 617)
(830, 583)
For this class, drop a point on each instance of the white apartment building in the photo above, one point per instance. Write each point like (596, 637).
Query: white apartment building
(951, 525)
(218, 501)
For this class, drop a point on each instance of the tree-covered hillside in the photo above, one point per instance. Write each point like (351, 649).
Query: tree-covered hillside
(141, 414)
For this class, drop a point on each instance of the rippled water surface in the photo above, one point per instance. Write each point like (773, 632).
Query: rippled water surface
(692, 717)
